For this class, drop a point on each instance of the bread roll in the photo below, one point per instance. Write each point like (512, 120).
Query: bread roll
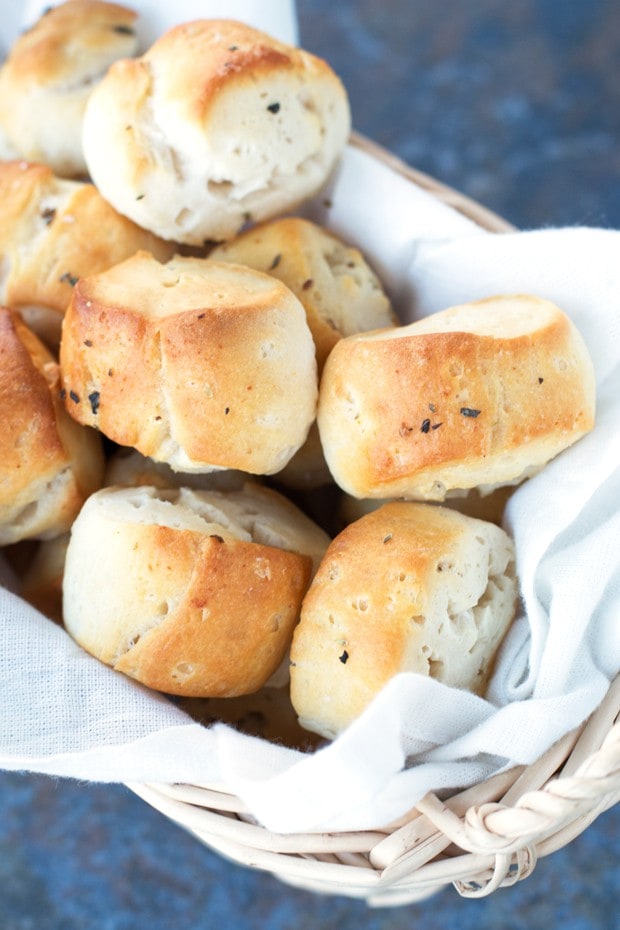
(195, 363)
(48, 463)
(410, 587)
(217, 124)
(50, 73)
(52, 232)
(340, 294)
(189, 592)
(482, 394)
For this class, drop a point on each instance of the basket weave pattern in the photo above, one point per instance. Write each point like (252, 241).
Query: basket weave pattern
(488, 836)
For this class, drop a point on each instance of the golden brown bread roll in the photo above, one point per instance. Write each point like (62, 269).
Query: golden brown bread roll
(50, 73)
(410, 587)
(52, 232)
(48, 463)
(195, 363)
(215, 125)
(195, 593)
(482, 394)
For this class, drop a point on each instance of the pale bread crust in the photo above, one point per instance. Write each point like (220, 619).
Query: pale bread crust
(50, 73)
(481, 394)
(49, 464)
(195, 363)
(216, 124)
(180, 590)
(52, 232)
(409, 587)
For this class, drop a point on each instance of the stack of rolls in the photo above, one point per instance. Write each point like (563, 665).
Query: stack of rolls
(214, 363)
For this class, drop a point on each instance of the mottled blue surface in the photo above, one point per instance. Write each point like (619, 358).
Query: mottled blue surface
(75, 856)
(518, 105)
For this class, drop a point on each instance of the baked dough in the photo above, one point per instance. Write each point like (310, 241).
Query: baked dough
(189, 592)
(48, 463)
(479, 395)
(52, 232)
(410, 587)
(195, 363)
(50, 73)
(216, 125)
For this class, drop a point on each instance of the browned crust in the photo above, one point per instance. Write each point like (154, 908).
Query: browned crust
(111, 352)
(212, 56)
(194, 374)
(45, 54)
(445, 398)
(381, 635)
(30, 447)
(233, 623)
(84, 237)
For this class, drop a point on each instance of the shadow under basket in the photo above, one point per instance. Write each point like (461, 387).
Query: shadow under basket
(480, 839)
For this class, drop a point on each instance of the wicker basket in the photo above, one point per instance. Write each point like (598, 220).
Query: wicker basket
(483, 838)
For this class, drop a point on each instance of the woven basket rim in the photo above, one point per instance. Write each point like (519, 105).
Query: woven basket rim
(473, 210)
(479, 839)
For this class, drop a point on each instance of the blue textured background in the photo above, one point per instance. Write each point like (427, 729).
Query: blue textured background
(517, 105)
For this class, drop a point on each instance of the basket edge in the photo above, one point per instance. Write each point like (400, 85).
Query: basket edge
(479, 214)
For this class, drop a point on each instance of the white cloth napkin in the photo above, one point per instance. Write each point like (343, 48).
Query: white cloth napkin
(65, 714)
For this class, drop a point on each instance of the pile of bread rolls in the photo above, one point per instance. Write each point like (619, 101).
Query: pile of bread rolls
(225, 466)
